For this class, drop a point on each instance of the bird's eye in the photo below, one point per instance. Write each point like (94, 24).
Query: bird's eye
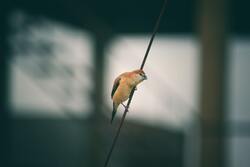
(141, 74)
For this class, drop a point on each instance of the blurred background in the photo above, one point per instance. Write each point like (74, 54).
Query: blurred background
(58, 62)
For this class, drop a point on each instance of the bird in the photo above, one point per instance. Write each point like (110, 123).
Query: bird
(123, 86)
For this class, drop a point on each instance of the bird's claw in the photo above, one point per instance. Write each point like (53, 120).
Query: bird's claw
(124, 105)
(126, 108)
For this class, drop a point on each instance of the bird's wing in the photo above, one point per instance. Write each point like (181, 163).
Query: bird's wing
(115, 86)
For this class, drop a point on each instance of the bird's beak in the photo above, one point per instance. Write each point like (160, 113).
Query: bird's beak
(145, 77)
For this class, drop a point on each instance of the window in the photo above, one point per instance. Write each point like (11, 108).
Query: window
(50, 68)
(170, 96)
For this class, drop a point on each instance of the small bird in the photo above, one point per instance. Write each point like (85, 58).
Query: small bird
(123, 86)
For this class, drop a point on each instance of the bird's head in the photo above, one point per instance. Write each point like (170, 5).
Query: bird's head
(139, 75)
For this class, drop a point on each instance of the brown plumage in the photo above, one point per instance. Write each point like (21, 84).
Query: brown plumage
(123, 86)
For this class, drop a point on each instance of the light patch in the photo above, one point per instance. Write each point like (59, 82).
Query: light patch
(170, 95)
(50, 69)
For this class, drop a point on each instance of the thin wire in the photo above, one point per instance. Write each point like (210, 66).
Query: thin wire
(116, 137)
(133, 90)
(154, 33)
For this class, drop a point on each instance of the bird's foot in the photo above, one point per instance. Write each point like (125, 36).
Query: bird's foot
(126, 108)
(124, 105)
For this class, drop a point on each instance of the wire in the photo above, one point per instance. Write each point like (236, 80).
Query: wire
(133, 90)
(154, 33)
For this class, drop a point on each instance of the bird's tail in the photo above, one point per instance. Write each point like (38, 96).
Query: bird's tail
(113, 112)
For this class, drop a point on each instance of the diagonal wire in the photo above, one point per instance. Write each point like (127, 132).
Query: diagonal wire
(133, 90)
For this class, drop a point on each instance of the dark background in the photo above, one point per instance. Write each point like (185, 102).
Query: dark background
(75, 142)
